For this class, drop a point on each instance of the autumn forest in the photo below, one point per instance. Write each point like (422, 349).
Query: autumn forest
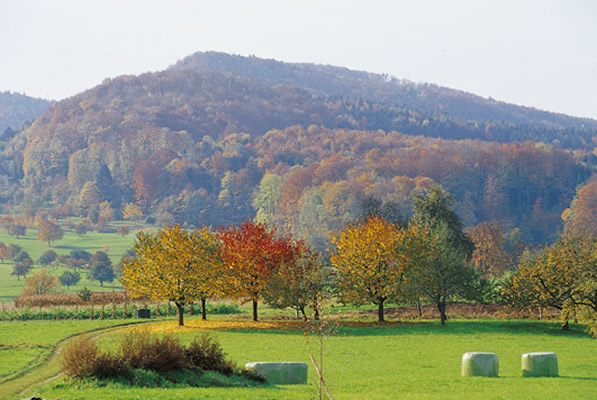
(197, 144)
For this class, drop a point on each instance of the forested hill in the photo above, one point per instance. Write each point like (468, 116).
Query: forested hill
(329, 81)
(211, 103)
(17, 109)
(209, 147)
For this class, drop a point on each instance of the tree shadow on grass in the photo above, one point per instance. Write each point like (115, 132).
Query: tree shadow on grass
(577, 378)
(454, 327)
(88, 248)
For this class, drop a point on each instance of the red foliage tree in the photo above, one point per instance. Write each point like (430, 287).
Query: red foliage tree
(252, 252)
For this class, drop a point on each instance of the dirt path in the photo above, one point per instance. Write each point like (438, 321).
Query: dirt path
(48, 368)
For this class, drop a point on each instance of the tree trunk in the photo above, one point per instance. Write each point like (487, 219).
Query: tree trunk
(303, 312)
(419, 310)
(203, 311)
(441, 306)
(380, 316)
(565, 325)
(254, 310)
(315, 312)
(180, 307)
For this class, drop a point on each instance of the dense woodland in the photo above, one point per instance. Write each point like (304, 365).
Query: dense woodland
(305, 148)
(330, 81)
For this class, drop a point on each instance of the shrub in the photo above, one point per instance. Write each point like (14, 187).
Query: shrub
(83, 359)
(79, 358)
(135, 347)
(148, 361)
(108, 365)
(206, 353)
(167, 355)
(140, 350)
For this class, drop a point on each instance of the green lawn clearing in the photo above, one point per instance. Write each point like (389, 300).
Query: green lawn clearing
(365, 360)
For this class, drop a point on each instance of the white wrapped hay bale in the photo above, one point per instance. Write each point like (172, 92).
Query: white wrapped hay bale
(539, 364)
(479, 364)
(280, 373)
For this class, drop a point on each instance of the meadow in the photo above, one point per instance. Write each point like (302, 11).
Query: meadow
(362, 360)
(112, 243)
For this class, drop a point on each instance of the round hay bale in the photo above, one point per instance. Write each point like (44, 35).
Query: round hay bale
(280, 373)
(539, 364)
(479, 364)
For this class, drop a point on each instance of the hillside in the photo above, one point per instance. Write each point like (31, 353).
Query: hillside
(328, 81)
(198, 146)
(17, 109)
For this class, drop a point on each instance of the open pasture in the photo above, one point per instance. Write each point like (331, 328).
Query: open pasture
(113, 244)
(366, 360)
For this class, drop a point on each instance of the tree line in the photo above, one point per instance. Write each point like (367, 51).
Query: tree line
(429, 258)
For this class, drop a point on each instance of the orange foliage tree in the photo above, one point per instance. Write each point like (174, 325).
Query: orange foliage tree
(49, 231)
(489, 255)
(581, 218)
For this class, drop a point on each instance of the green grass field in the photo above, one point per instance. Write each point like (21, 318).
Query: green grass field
(113, 244)
(411, 360)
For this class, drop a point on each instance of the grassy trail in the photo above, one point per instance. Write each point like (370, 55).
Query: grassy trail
(46, 367)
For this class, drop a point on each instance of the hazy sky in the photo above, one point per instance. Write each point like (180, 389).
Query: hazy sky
(540, 53)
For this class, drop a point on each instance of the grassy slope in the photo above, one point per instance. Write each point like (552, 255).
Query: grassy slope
(112, 243)
(416, 360)
(26, 349)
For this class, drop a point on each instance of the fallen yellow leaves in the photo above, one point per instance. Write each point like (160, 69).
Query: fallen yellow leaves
(200, 325)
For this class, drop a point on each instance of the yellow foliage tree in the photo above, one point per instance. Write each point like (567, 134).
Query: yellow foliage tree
(563, 276)
(132, 212)
(174, 265)
(371, 259)
(106, 211)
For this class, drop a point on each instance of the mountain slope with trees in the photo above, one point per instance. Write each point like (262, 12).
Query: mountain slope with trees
(192, 146)
(329, 80)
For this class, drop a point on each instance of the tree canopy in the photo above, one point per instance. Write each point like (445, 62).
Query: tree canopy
(252, 251)
(174, 265)
(369, 264)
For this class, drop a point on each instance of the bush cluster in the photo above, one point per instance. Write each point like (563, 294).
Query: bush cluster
(140, 353)
(83, 359)
(140, 350)
(207, 354)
